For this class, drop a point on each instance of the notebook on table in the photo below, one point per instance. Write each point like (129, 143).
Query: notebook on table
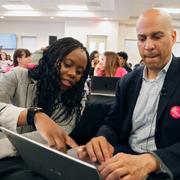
(103, 85)
(49, 162)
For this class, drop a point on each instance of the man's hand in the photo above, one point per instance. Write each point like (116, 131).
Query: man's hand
(98, 149)
(54, 134)
(128, 167)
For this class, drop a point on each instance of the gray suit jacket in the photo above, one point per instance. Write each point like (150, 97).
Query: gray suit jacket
(17, 92)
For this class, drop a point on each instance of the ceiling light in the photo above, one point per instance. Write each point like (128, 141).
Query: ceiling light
(73, 7)
(52, 17)
(170, 10)
(1, 17)
(85, 14)
(105, 18)
(17, 7)
(23, 13)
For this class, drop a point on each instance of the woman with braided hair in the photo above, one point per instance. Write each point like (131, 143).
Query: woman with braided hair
(47, 98)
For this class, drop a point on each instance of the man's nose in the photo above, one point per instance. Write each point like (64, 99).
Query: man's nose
(149, 44)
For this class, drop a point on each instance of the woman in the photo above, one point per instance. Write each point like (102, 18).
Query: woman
(55, 85)
(110, 66)
(48, 98)
(94, 58)
(4, 62)
(22, 58)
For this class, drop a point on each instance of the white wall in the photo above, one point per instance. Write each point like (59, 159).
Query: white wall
(76, 29)
(128, 32)
(42, 30)
(176, 48)
(117, 34)
(81, 29)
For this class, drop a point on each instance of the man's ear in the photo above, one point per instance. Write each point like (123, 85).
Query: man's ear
(174, 36)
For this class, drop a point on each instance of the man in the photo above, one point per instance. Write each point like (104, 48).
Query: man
(143, 124)
(123, 57)
(141, 63)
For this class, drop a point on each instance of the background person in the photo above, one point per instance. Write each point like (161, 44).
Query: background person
(141, 63)
(94, 58)
(22, 58)
(110, 66)
(5, 62)
(123, 57)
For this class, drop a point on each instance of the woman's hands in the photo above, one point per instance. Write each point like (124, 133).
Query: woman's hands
(49, 130)
(54, 134)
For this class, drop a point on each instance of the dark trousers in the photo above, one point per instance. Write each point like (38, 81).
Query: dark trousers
(14, 168)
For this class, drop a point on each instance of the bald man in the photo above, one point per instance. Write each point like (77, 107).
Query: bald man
(140, 137)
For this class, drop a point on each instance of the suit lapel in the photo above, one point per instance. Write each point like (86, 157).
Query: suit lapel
(171, 81)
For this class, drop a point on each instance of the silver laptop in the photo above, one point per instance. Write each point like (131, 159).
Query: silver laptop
(49, 162)
(103, 85)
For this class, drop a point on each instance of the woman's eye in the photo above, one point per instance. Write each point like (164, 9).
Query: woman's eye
(67, 64)
(79, 72)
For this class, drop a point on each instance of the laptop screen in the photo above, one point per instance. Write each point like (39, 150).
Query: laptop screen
(103, 85)
(49, 162)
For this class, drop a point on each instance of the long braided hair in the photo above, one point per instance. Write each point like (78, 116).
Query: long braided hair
(49, 96)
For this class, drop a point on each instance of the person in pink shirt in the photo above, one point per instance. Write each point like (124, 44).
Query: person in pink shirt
(110, 66)
(22, 58)
(5, 63)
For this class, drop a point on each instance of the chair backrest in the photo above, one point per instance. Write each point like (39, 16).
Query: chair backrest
(97, 107)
